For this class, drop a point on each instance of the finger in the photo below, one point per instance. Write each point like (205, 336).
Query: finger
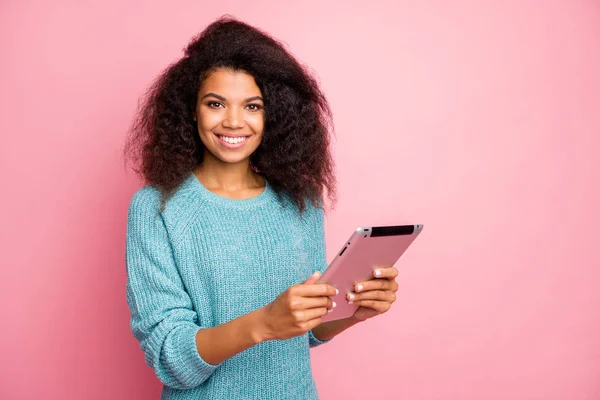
(303, 303)
(313, 278)
(311, 313)
(313, 323)
(385, 272)
(381, 295)
(314, 290)
(379, 306)
(376, 284)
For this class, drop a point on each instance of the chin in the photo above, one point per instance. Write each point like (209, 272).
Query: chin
(233, 159)
(228, 157)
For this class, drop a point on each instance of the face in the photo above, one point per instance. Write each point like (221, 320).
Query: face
(230, 115)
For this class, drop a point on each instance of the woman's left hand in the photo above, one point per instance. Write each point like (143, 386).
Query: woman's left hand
(375, 296)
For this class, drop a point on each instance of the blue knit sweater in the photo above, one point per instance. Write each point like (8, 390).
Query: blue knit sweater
(206, 260)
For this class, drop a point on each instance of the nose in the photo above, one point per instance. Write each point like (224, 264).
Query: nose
(234, 118)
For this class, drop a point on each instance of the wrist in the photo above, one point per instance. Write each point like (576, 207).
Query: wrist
(260, 331)
(353, 320)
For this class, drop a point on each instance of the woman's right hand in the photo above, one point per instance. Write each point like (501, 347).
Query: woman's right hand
(297, 310)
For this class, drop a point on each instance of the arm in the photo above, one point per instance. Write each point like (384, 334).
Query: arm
(327, 330)
(294, 312)
(181, 352)
(162, 316)
(221, 342)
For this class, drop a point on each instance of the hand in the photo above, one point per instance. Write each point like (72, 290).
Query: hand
(297, 310)
(375, 296)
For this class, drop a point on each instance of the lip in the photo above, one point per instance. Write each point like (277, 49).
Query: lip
(231, 136)
(230, 145)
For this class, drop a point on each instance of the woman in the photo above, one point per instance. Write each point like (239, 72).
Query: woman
(233, 144)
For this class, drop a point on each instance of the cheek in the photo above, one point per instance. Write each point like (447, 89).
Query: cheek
(257, 122)
(207, 122)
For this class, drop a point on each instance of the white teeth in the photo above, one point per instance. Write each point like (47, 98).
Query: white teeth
(232, 140)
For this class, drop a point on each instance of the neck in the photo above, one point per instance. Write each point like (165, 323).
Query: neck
(214, 173)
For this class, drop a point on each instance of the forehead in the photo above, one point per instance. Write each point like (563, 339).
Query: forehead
(230, 84)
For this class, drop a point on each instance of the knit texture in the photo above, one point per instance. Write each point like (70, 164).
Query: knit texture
(206, 260)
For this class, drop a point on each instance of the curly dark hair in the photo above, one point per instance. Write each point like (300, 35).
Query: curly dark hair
(294, 155)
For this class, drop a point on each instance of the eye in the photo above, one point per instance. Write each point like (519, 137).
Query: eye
(254, 107)
(214, 104)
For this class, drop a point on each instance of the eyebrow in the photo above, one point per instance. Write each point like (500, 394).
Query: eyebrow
(249, 99)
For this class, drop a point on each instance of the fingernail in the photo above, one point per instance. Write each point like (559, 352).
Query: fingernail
(377, 272)
(337, 292)
(351, 296)
(334, 304)
(359, 288)
(350, 302)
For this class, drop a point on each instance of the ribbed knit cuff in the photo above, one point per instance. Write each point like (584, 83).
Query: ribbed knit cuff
(313, 341)
(198, 368)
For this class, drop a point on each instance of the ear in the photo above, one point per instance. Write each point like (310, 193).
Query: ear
(194, 116)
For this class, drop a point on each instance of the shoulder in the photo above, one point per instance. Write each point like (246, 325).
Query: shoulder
(315, 210)
(146, 205)
(143, 216)
(317, 215)
(312, 215)
(145, 199)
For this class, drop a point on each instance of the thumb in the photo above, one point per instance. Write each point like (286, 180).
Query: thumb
(313, 278)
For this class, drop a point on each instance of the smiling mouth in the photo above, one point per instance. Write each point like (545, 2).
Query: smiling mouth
(233, 140)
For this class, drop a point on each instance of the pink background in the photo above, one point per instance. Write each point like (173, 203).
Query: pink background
(478, 119)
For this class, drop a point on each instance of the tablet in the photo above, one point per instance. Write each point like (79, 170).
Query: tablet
(367, 249)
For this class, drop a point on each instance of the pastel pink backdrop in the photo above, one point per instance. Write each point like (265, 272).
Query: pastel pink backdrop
(478, 119)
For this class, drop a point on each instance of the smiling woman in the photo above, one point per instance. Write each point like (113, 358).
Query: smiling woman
(233, 144)
(235, 80)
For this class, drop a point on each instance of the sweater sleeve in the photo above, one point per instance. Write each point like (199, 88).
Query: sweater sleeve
(319, 260)
(162, 316)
